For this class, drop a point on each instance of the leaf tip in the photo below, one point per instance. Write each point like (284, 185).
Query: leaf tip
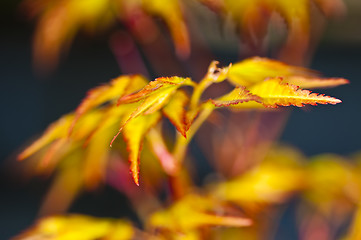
(20, 157)
(135, 176)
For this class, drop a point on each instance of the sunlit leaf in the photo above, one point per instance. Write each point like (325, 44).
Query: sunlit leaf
(355, 229)
(134, 132)
(153, 97)
(110, 92)
(237, 96)
(176, 112)
(155, 87)
(276, 93)
(265, 184)
(334, 184)
(96, 156)
(316, 82)
(79, 227)
(68, 182)
(54, 131)
(192, 212)
(254, 70)
(171, 12)
(253, 17)
(59, 21)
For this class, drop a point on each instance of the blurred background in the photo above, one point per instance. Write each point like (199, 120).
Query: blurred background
(31, 101)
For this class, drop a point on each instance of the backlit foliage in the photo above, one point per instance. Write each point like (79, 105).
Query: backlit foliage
(59, 21)
(136, 112)
(76, 149)
(79, 227)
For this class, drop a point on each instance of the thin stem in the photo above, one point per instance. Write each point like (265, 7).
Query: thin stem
(182, 142)
(180, 182)
(198, 90)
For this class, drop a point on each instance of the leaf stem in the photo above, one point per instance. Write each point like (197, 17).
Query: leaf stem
(182, 142)
(198, 91)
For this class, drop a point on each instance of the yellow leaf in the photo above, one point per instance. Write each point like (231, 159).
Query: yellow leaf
(334, 183)
(134, 132)
(117, 87)
(176, 112)
(55, 131)
(304, 82)
(237, 96)
(59, 129)
(79, 227)
(153, 97)
(67, 183)
(256, 69)
(170, 11)
(275, 179)
(192, 212)
(96, 156)
(254, 17)
(59, 22)
(354, 232)
(276, 93)
(156, 86)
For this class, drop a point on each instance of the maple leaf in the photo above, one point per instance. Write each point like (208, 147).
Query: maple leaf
(265, 183)
(79, 227)
(138, 112)
(59, 21)
(153, 96)
(327, 186)
(253, 70)
(134, 132)
(54, 131)
(117, 87)
(276, 93)
(235, 97)
(192, 212)
(254, 16)
(171, 12)
(176, 112)
(355, 230)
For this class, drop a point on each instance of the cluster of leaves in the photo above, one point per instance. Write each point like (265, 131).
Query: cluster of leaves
(77, 145)
(60, 20)
(137, 106)
(245, 207)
